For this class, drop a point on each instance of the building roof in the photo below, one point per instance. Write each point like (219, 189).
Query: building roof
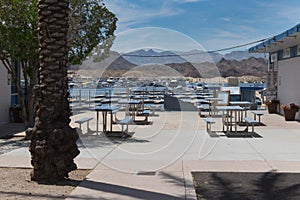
(276, 42)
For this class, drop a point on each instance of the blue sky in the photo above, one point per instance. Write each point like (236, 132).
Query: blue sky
(214, 24)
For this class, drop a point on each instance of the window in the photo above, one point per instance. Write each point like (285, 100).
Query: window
(286, 53)
(280, 55)
(298, 50)
(293, 51)
(273, 57)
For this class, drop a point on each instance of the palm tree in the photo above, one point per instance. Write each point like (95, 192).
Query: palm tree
(53, 145)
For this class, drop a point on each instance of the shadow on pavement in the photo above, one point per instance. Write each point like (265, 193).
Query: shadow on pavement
(9, 129)
(246, 186)
(123, 191)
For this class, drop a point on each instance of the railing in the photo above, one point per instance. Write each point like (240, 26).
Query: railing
(88, 96)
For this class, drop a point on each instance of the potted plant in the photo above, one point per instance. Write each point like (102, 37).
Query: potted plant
(16, 112)
(272, 105)
(290, 111)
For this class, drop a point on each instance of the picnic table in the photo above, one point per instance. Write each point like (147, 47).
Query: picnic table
(133, 106)
(105, 109)
(240, 103)
(141, 98)
(227, 113)
(212, 103)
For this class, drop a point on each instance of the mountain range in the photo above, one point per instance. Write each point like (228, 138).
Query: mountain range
(190, 64)
(141, 57)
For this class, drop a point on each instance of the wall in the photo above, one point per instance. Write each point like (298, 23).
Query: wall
(174, 104)
(289, 82)
(5, 95)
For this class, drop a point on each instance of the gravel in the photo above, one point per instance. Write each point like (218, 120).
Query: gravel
(15, 183)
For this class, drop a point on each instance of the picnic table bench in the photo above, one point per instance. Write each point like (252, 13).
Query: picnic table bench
(125, 122)
(257, 113)
(202, 107)
(250, 121)
(209, 121)
(82, 121)
(144, 113)
(114, 112)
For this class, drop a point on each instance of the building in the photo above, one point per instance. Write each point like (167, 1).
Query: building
(5, 97)
(284, 66)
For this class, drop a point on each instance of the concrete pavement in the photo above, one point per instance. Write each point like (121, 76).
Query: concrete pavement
(157, 161)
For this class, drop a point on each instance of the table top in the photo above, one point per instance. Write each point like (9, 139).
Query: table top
(200, 101)
(213, 99)
(99, 96)
(230, 108)
(105, 108)
(234, 103)
(134, 102)
(140, 97)
(206, 96)
(130, 102)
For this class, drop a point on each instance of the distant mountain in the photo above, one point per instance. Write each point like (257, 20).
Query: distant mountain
(197, 56)
(225, 68)
(142, 57)
(186, 69)
(191, 64)
(113, 62)
(241, 55)
(251, 66)
(112, 65)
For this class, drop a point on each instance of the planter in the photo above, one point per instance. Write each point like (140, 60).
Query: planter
(272, 107)
(289, 114)
(16, 112)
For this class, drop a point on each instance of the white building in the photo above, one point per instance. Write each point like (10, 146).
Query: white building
(5, 94)
(284, 66)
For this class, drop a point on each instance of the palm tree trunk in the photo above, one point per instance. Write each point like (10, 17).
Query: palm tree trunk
(53, 144)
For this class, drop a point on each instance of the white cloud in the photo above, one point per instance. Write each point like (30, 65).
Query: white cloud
(130, 14)
(280, 12)
(133, 14)
(154, 38)
(289, 13)
(221, 43)
(226, 19)
(234, 36)
(187, 1)
(227, 34)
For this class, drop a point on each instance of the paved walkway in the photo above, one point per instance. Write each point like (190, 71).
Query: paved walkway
(156, 163)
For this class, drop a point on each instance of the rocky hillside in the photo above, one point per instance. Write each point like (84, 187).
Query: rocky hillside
(225, 68)
(116, 65)
(141, 57)
(251, 67)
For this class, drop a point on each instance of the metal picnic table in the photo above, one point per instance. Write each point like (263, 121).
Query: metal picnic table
(105, 109)
(227, 118)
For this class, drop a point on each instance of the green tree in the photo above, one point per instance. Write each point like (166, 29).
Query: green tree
(19, 43)
(91, 25)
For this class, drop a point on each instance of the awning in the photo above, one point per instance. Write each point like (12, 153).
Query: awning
(267, 45)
